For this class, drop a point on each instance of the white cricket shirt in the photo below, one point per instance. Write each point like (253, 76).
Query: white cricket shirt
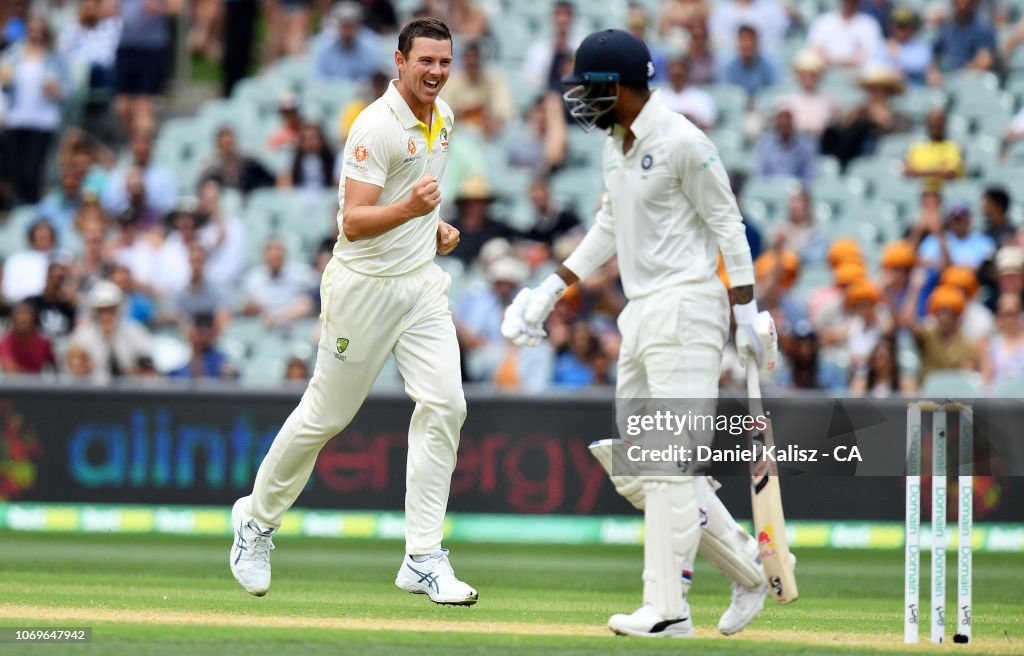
(667, 209)
(391, 148)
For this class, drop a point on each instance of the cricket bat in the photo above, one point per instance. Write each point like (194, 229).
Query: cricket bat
(766, 499)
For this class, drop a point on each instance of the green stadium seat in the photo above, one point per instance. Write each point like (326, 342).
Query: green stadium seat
(894, 146)
(897, 190)
(292, 71)
(263, 370)
(874, 167)
(1010, 388)
(916, 102)
(245, 330)
(812, 278)
(730, 100)
(311, 221)
(838, 192)
(261, 93)
(773, 193)
(872, 224)
(323, 101)
(578, 188)
(953, 383)
(829, 167)
(971, 86)
(964, 189)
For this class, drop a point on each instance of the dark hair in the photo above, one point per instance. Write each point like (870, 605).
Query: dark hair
(40, 222)
(998, 196)
(27, 306)
(426, 27)
(890, 342)
(565, 4)
(325, 155)
(747, 29)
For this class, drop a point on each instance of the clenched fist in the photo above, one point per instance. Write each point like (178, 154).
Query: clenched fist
(424, 197)
(447, 238)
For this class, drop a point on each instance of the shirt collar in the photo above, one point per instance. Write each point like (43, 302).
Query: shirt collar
(408, 120)
(401, 108)
(647, 121)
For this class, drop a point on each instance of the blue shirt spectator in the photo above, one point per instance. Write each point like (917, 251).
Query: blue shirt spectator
(353, 54)
(61, 205)
(784, 152)
(880, 10)
(965, 41)
(160, 184)
(206, 361)
(965, 247)
(750, 70)
(571, 372)
(969, 251)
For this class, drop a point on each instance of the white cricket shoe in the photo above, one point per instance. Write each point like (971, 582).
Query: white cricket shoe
(646, 623)
(435, 578)
(250, 552)
(746, 604)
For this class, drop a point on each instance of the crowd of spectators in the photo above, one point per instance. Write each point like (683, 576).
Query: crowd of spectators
(119, 257)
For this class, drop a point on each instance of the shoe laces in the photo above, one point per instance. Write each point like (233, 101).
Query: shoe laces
(443, 563)
(262, 545)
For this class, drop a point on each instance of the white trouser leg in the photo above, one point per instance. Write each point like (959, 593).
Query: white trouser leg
(340, 383)
(724, 543)
(427, 353)
(672, 532)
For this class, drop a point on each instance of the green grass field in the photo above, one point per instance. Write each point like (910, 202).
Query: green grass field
(174, 595)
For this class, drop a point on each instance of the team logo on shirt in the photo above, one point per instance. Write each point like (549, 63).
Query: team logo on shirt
(342, 345)
(360, 153)
(647, 162)
(444, 138)
(411, 147)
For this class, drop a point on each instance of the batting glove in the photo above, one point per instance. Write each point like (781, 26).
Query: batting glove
(523, 323)
(542, 300)
(514, 326)
(756, 336)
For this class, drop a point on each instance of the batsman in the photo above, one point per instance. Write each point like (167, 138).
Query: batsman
(666, 213)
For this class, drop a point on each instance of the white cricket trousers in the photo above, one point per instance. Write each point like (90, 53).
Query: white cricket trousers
(364, 318)
(672, 342)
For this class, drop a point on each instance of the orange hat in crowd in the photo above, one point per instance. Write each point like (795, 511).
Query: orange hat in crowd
(947, 297)
(862, 290)
(844, 249)
(960, 277)
(848, 273)
(769, 260)
(899, 255)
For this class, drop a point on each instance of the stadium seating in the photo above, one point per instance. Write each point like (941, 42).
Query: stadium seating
(953, 383)
(871, 200)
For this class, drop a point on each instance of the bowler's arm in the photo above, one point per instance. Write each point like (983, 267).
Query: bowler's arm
(362, 218)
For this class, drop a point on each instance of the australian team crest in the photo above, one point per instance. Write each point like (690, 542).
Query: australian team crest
(342, 345)
(444, 138)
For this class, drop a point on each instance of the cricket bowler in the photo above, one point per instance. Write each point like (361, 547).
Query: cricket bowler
(381, 293)
(666, 213)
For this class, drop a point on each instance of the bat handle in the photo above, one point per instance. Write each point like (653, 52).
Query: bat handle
(753, 379)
